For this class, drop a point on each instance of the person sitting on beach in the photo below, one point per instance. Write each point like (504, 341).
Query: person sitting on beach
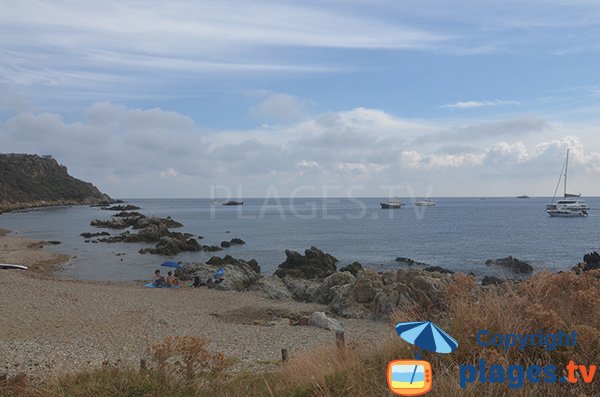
(172, 281)
(158, 279)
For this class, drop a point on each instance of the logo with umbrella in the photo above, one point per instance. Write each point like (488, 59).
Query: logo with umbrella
(414, 377)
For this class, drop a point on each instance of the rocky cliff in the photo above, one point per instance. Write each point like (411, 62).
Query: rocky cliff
(29, 180)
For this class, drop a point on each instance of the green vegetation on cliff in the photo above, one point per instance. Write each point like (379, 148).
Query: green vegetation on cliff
(29, 180)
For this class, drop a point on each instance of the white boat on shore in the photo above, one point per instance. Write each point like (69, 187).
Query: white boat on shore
(428, 202)
(8, 266)
(568, 207)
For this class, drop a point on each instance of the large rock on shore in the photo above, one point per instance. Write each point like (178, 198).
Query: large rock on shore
(374, 294)
(514, 264)
(591, 261)
(229, 260)
(325, 292)
(239, 274)
(314, 264)
(274, 288)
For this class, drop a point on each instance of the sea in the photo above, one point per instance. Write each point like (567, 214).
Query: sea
(459, 234)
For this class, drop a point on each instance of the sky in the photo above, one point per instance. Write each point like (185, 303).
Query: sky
(306, 98)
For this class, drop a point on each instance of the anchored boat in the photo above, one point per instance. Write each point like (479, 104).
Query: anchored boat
(568, 207)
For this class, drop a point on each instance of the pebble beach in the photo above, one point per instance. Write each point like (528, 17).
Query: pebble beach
(53, 325)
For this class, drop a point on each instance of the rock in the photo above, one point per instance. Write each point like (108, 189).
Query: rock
(301, 289)
(366, 286)
(491, 280)
(229, 260)
(211, 248)
(274, 288)
(409, 262)
(353, 268)
(438, 269)
(591, 261)
(233, 241)
(237, 277)
(314, 264)
(324, 293)
(54, 242)
(170, 246)
(320, 319)
(126, 214)
(110, 223)
(90, 235)
(136, 221)
(128, 207)
(514, 264)
(377, 295)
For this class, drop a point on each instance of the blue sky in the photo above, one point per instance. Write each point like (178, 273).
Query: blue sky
(448, 98)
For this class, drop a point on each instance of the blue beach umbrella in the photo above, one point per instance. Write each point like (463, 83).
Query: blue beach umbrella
(427, 336)
(172, 264)
(219, 273)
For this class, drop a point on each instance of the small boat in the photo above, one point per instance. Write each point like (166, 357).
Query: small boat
(428, 202)
(231, 202)
(523, 196)
(7, 266)
(391, 204)
(568, 207)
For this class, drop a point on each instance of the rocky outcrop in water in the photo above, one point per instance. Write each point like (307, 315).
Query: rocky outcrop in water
(128, 207)
(135, 220)
(313, 264)
(233, 241)
(29, 180)
(513, 264)
(591, 261)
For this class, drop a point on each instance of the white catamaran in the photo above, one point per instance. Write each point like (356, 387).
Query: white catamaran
(569, 206)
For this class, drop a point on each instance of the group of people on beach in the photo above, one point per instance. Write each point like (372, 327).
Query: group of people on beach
(160, 281)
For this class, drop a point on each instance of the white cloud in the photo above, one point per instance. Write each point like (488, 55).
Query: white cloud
(478, 104)
(170, 173)
(281, 107)
(123, 150)
(308, 164)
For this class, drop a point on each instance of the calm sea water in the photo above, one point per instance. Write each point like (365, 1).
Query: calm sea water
(458, 233)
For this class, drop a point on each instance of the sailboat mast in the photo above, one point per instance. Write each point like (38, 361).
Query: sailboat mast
(566, 167)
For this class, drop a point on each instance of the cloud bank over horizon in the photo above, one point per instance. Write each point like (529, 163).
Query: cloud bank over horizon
(158, 153)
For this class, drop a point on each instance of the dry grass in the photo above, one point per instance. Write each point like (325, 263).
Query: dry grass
(550, 302)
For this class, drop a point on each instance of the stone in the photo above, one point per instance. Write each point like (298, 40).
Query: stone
(366, 286)
(353, 268)
(239, 277)
(324, 293)
(301, 289)
(591, 261)
(514, 264)
(320, 319)
(90, 235)
(274, 288)
(229, 260)
(314, 264)
(170, 246)
(438, 269)
(409, 262)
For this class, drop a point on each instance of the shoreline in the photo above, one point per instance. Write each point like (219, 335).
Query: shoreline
(51, 324)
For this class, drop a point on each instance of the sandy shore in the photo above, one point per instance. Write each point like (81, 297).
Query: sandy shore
(50, 324)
